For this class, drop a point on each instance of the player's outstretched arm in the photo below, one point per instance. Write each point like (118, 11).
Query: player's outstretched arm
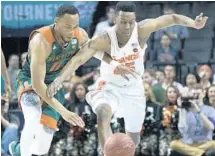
(39, 51)
(151, 25)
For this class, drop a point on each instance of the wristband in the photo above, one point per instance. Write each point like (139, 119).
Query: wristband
(114, 63)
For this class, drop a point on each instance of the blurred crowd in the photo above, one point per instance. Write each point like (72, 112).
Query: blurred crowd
(164, 130)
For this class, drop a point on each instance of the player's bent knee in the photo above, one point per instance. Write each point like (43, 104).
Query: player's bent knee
(30, 99)
(104, 113)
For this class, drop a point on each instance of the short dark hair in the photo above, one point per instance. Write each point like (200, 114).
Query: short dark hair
(66, 9)
(125, 7)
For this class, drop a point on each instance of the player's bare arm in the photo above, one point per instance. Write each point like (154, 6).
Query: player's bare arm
(146, 27)
(39, 50)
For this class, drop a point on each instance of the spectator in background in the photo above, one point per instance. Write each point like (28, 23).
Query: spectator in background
(13, 69)
(166, 53)
(190, 81)
(169, 78)
(23, 57)
(5, 81)
(149, 138)
(102, 26)
(169, 130)
(174, 32)
(205, 74)
(158, 90)
(211, 96)
(195, 125)
(149, 77)
(160, 76)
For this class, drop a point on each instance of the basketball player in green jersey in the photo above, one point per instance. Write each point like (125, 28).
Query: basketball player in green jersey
(50, 48)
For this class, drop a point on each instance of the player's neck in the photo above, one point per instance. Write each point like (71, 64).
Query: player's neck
(122, 39)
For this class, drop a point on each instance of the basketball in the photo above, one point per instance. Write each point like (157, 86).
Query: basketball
(119, 144)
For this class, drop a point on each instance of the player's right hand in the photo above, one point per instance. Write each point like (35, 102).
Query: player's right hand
(73, 119)
(54, 87)
(124, 71)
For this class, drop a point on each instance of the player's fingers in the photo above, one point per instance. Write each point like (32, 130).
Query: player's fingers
(132, 73)
(125, 77)
(72, 122)
(78, 121)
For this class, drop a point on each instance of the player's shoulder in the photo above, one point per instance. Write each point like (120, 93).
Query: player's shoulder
(39, 47)
(46, 32)
(38, 38)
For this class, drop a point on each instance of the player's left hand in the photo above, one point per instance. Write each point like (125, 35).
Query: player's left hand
(200, 21)
(124, 71)
(54, 87)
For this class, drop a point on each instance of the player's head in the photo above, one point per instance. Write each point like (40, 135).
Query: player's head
(67, 20)
(125, 17)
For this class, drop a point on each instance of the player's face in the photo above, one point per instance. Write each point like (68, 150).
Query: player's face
(191, 79)
(80, 91)
(66, 26)
(125, 22)
(172, 95)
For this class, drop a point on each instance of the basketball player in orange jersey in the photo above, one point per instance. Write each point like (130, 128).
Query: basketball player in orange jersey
(50, 49)
(126, 44)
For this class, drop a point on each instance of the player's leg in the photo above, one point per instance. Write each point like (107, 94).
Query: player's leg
(42, 141)
(104, 115)
(31, 107)
(104, 104)
(46, 129)
(134, 109)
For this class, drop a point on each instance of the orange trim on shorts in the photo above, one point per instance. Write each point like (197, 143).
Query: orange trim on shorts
(48, 121)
